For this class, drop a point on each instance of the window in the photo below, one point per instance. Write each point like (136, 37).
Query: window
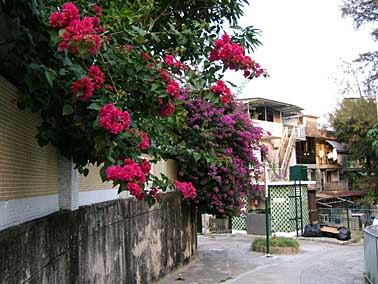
(305, 151)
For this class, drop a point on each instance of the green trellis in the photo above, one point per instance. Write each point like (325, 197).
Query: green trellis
(238, 223)
(283, 207)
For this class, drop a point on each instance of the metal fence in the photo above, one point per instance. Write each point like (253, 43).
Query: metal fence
(352, 218)
(371, 254)
(219, 226)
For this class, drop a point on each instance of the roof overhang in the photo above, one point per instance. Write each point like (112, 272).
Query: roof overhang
(337, 145)
(286, 109)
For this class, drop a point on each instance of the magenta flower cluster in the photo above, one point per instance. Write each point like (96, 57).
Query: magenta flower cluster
(233, 57)
(113, 119)
(230, 140)
(132, 174)
(77, 33)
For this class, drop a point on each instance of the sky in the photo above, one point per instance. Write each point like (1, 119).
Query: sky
(304, 42)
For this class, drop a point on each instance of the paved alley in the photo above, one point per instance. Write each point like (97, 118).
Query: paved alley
(228, 259)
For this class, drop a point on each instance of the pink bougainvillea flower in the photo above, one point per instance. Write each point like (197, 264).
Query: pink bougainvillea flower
(128, 47)
(154, 192)
(129, 172)
(173, 88)
(134, 188)
(146, 166)
(59, 20)
(70, 11)
(187, 189)
(167, 110)
(169, 59)
(109, 87)
(224, 92)
(233, 57)
(85, 86)
(165, 76)
(146, 56)
(145, 143)
(113, 119)
(97, 75)
(77, 33)
(98, 10)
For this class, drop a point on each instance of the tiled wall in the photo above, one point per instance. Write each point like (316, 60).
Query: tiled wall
(26, 169)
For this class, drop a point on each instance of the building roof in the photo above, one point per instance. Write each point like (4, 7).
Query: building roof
(337, 145)
(285, 108)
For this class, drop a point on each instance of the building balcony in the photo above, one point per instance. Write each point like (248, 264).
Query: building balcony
(274, 128)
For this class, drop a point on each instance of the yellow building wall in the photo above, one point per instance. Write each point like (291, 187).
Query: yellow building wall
(93, 180)
(26, 169)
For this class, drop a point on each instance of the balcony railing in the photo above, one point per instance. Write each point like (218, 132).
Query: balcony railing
(274, 128)
(300, 131)
(336, 185)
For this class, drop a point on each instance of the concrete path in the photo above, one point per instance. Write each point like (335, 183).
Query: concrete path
(227, 259)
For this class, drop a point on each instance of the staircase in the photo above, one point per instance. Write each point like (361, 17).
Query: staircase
(285, 149)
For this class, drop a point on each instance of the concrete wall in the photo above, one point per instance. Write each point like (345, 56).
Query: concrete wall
(120, 241)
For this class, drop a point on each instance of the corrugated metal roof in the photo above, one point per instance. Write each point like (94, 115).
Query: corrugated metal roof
(285, 108)
(337, 145)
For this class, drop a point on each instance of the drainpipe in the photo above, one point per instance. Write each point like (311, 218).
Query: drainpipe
(265, 113)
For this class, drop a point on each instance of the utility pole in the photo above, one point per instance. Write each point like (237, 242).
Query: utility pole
(267, 208)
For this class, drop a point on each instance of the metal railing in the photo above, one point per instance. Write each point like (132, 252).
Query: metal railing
(371, 254)
(336, 185)
(353, 218)
(219, 226)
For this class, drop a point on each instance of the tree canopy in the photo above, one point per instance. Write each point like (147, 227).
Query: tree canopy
(352, 121)
(365, 13)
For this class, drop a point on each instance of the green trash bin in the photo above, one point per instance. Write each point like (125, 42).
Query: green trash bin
(298, 172)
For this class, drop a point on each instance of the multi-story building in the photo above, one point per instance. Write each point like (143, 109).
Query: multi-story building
(293, 138)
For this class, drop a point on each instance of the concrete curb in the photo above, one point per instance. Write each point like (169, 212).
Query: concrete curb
(328, 240)
(276, 250)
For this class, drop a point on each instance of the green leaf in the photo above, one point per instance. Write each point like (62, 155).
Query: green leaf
(196, 156)
(94, 106)
(125, 135)
(139, 30)
(34, 66)
(154, 87)
(62, 71)
(122, 187)
(102, 174)
(50, 76)
(67, 109)
(61, 32)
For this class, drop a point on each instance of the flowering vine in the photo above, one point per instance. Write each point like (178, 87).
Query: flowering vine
(233, 57)
(112, 89)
